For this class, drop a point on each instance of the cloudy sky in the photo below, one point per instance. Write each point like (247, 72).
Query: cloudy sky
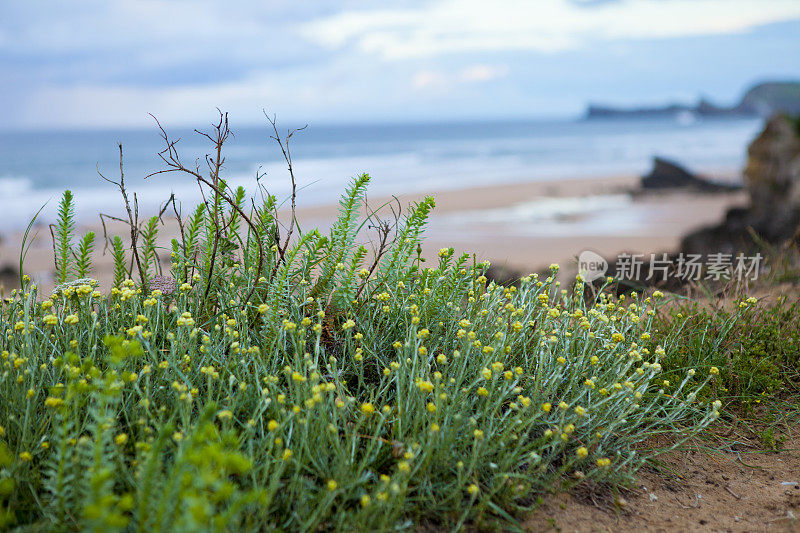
(107, 63)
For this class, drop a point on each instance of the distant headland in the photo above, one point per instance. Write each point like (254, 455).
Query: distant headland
(761, 100)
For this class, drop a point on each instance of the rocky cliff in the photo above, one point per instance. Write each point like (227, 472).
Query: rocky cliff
(767, 99)
(772, 179)
(761, 100)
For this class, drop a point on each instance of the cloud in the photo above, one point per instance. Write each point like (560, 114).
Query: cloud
(139, 41)
(429, 79)
(481, 73)
(442, 81)
(465, 26)
(107, 63)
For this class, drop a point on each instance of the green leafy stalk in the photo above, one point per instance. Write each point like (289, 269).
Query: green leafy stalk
(83, 264)
(148, 249)
(118, 253)
(65, 227)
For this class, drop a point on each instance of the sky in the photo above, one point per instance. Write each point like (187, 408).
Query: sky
(108, 63)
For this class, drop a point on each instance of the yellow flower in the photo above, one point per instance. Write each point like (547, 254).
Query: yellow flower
(473, 489)
(71, 319)
(478, 434)
(272, 425)
(603, 462)
(332, 485)
(224, 414)
(365, 500)
(403, 466)
(431, 407)
(482, 391)
(51, 402)
(121, 439)
(348, 324)
(26, 456)
(426, 386)
(287, 454)
(435, 428)
(546, 407)
(582, 452)
(367, 408)
(714, 371)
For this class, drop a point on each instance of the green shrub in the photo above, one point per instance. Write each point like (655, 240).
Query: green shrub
(304, 384)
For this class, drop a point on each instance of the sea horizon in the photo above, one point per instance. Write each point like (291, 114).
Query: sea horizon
(402, 158)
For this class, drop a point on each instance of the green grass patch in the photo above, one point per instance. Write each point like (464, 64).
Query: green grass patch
(756, 348)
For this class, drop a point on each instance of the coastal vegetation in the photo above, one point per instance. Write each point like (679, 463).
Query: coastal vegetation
(278, 377)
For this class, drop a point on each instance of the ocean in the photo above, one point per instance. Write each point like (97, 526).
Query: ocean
(35, 167)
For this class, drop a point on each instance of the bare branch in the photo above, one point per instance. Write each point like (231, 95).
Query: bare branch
(287, 156)
(169, 155)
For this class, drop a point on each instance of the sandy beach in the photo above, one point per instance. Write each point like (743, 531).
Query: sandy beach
(523, 226)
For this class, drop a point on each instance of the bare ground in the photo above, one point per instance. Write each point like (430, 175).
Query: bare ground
(739, 488)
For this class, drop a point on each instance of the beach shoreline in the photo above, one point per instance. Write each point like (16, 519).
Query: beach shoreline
(523, 226)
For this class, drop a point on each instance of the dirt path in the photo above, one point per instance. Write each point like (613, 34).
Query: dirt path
(750, 490)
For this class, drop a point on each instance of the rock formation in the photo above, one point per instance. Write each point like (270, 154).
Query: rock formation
(772, 178)
(670, 175)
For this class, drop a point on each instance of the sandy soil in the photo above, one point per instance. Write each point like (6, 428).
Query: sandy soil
(524, 226)
(739, 489)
